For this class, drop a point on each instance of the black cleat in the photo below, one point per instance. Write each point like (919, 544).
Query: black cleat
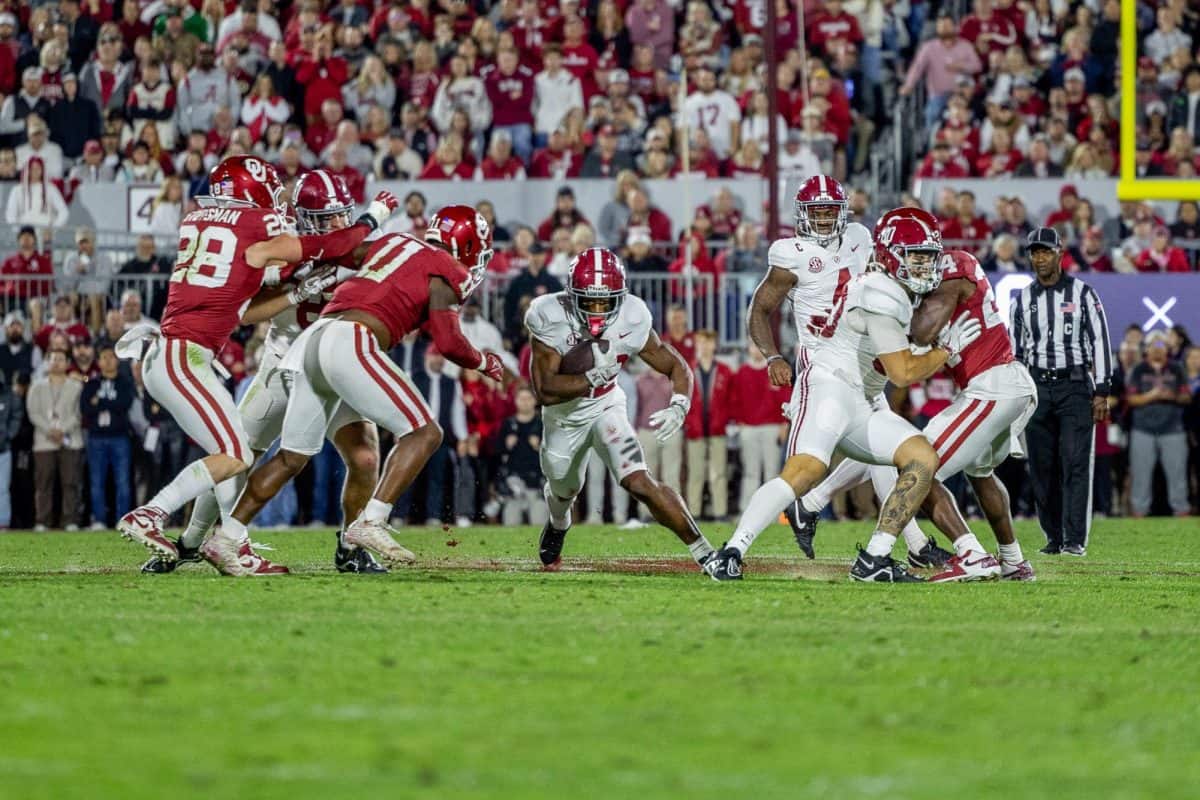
(880, 569)
(804, 527)
(1074, 550)
(550, 547)
(726, 565)
(357, 560)
(929, 556)
(158, 566)
(1051, 549)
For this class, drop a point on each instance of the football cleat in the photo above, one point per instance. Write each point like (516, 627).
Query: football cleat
(144, 526)
(1051, 549)
(377, 537)
(160, 566)
(1074, 550)
(1017, 572)
(970, 566)
(726, 565)
(237, 559)
(356, 560)
(804, 527)
(880, 569)
(929, 556)
(550, 547)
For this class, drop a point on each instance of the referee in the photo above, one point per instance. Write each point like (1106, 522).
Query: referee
(1060, 334)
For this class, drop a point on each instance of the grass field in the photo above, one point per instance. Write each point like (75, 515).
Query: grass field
(626, 677)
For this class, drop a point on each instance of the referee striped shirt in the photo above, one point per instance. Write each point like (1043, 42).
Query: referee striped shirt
(1062, 326)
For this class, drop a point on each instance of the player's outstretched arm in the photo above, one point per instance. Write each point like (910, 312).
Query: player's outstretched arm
(768, 297)
(935, 310)
(550, 387)
(447, 333)
(294, 249)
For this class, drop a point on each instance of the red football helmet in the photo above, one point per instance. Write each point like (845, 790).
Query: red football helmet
(821, 210)
(466, 234)
(596, 283)
(319, 199)
(910, 250)
(245, 180)
(905, 212)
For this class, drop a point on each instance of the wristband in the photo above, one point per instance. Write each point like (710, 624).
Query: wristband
(772, 358)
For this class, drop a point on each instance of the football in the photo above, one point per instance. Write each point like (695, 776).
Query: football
(578, 360)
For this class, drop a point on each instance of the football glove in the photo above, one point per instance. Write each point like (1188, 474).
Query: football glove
(957, 336)
(669, 421)
(379, 210)
(312, 286)
(492, 367)
(604, 367)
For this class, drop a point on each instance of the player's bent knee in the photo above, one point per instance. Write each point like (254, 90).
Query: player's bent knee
(802, 472)
(363, 461)
(916, 451)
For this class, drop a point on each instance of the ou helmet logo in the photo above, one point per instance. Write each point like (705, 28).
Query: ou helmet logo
(256, 169)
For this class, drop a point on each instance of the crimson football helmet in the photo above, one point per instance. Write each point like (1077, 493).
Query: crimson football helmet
(906, 212)
(910, 250)
(247, 181)
(821, 210)
(596, 284)
(467, 236)
(319, 199)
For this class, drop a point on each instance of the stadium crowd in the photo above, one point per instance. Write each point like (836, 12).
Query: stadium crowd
(156, 91)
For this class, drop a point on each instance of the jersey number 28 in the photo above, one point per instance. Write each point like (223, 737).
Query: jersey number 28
(205, 259)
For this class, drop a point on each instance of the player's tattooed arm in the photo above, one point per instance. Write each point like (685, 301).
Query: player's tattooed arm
(665, 359)
(935, 310)
(768, 297)
(912, 485)
(550, 387)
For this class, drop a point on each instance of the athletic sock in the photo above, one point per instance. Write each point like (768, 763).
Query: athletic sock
(232, 529)
(560, 510)
(700, 549)
(881, 544)
(1011, 553)
(846, 475)
(376, 510)
(765, 507)
(192, 481)
(808, 501)
(205, 513)
(914, 537)
(966, 543)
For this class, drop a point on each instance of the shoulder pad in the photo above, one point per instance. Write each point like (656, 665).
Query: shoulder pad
(857, 233)
(542, 314)
(879, 294)
(793, 254)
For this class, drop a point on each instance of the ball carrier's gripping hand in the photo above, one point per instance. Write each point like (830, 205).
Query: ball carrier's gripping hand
(957, 336)
(313, 285)
(669, 421)
(604, 367)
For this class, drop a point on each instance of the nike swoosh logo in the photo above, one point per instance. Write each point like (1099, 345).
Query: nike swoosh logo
(852, 249)
(977, 562)
(623, 335)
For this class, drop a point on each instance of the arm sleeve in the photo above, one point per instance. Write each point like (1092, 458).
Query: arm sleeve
(1098, 332)
(448, 336)
(887, 334)
(332, 245)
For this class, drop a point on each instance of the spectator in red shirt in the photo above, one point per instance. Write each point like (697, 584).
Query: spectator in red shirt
(565, 215)
(557, 160)
(940, 162)
(422, 83)
(1001, 161)
(323, 130)
(27, 262)
(64, 322)
(446, 164)
(1068, 199)
(988, 30)
(1162, 256)
(831, 26)
(704, 428)
(579, 57)
(500, 163)
(723, 215)
(702, 264)
(678, 335)
(968, 230)
(510, 88)
(642, 214)
(652, 23)
(321, 73)
(356, 182)
(1089, 255)
(756, 407)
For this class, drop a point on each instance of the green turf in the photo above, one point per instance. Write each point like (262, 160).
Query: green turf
(475, 676)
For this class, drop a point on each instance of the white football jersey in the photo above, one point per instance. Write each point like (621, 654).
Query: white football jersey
(551, 319)
(823, 276)
(848, 351)
(289, 323)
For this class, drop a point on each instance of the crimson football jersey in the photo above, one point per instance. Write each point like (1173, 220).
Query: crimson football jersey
(993, 347)
(212, 284)
(393, 283)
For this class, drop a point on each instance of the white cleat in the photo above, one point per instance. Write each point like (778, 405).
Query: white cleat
(970, 566)
(237, 559)
(144, 526)
(377, 537)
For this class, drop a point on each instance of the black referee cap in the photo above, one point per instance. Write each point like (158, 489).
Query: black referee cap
(1043, 237)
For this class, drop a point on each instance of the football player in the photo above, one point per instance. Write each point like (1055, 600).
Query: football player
(582, 412)
(836, 404)
(339, 368)
(321, 203)
(223, 250)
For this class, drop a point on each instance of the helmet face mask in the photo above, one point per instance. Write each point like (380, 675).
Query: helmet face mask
(309, 221)
(466, 235)
(596, 283)
(920, 268)
(910, 250)
(822, 211)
